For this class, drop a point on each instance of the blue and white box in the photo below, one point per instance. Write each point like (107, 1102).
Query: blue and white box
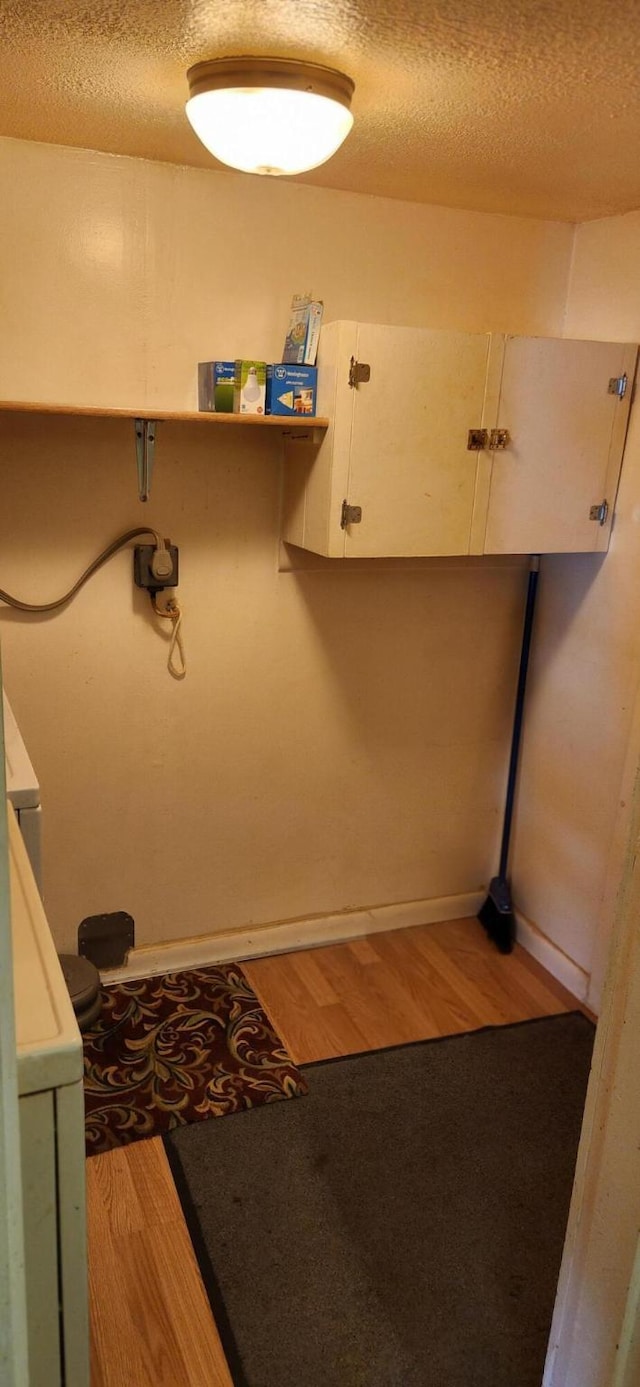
(301, 341)
(291, 390)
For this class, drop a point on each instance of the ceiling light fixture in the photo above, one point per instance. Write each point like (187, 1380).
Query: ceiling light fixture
(269, 115)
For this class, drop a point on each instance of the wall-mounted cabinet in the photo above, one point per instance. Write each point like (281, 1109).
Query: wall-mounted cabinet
(459, 443)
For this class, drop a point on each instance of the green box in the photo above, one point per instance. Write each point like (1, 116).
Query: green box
(215, 386)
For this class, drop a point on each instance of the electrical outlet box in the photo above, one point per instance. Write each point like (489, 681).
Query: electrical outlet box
(106, 939)
(142, 574)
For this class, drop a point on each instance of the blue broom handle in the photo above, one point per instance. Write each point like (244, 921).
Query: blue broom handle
(534, 566)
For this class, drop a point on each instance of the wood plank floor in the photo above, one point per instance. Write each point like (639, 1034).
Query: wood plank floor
(151, 1325)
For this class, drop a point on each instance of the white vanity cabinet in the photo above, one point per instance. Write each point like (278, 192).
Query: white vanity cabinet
(459, 443)
(51, 1117)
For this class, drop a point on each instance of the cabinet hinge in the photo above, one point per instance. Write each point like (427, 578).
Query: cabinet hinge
(477, 440)
(359, 373)
(499, 439)
(350, 515)
(618, 386)
(600, 512)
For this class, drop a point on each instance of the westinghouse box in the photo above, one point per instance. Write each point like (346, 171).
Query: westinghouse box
(291, 389)
(215, 386)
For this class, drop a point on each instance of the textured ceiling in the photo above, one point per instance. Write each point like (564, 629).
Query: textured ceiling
(527, 106)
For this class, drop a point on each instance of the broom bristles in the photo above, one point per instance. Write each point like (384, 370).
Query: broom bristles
(497, 916)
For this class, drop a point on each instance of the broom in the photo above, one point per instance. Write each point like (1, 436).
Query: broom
(497, 912)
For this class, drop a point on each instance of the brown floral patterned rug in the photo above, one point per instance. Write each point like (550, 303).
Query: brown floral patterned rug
(176, 1049)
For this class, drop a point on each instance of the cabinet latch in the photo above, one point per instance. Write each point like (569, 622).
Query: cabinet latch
(618, 386)
(359, 373)
(600, 512)
(496, 441)
(351, 515)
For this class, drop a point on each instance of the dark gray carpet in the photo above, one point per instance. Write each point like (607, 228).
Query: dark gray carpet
(402, 1226)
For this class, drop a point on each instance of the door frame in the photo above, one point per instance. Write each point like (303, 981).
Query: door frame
(595, 1333)
(14, 1370)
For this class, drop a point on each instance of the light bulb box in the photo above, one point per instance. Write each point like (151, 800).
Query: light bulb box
(291, 389)
(301, 341)
(250, 387)
(215, 386)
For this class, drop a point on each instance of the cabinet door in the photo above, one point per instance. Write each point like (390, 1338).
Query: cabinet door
(38, 1144)
(567, 435)
(410, 469)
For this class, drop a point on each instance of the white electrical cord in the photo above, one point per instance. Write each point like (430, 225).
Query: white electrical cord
(176, 664)
(161, 567)
(93, 568)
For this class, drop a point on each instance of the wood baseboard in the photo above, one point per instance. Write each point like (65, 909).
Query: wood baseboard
(561, 967)
(287, 936)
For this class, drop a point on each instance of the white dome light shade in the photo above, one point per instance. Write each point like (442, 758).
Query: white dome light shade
(269, 115)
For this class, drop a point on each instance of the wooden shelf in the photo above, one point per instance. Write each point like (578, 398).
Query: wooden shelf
(145, 420)
(273, 421)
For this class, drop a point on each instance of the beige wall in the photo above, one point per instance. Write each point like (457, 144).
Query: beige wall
(340, 738)
(568, 842)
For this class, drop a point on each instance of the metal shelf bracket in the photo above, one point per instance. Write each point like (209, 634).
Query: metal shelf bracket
(145, 448)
